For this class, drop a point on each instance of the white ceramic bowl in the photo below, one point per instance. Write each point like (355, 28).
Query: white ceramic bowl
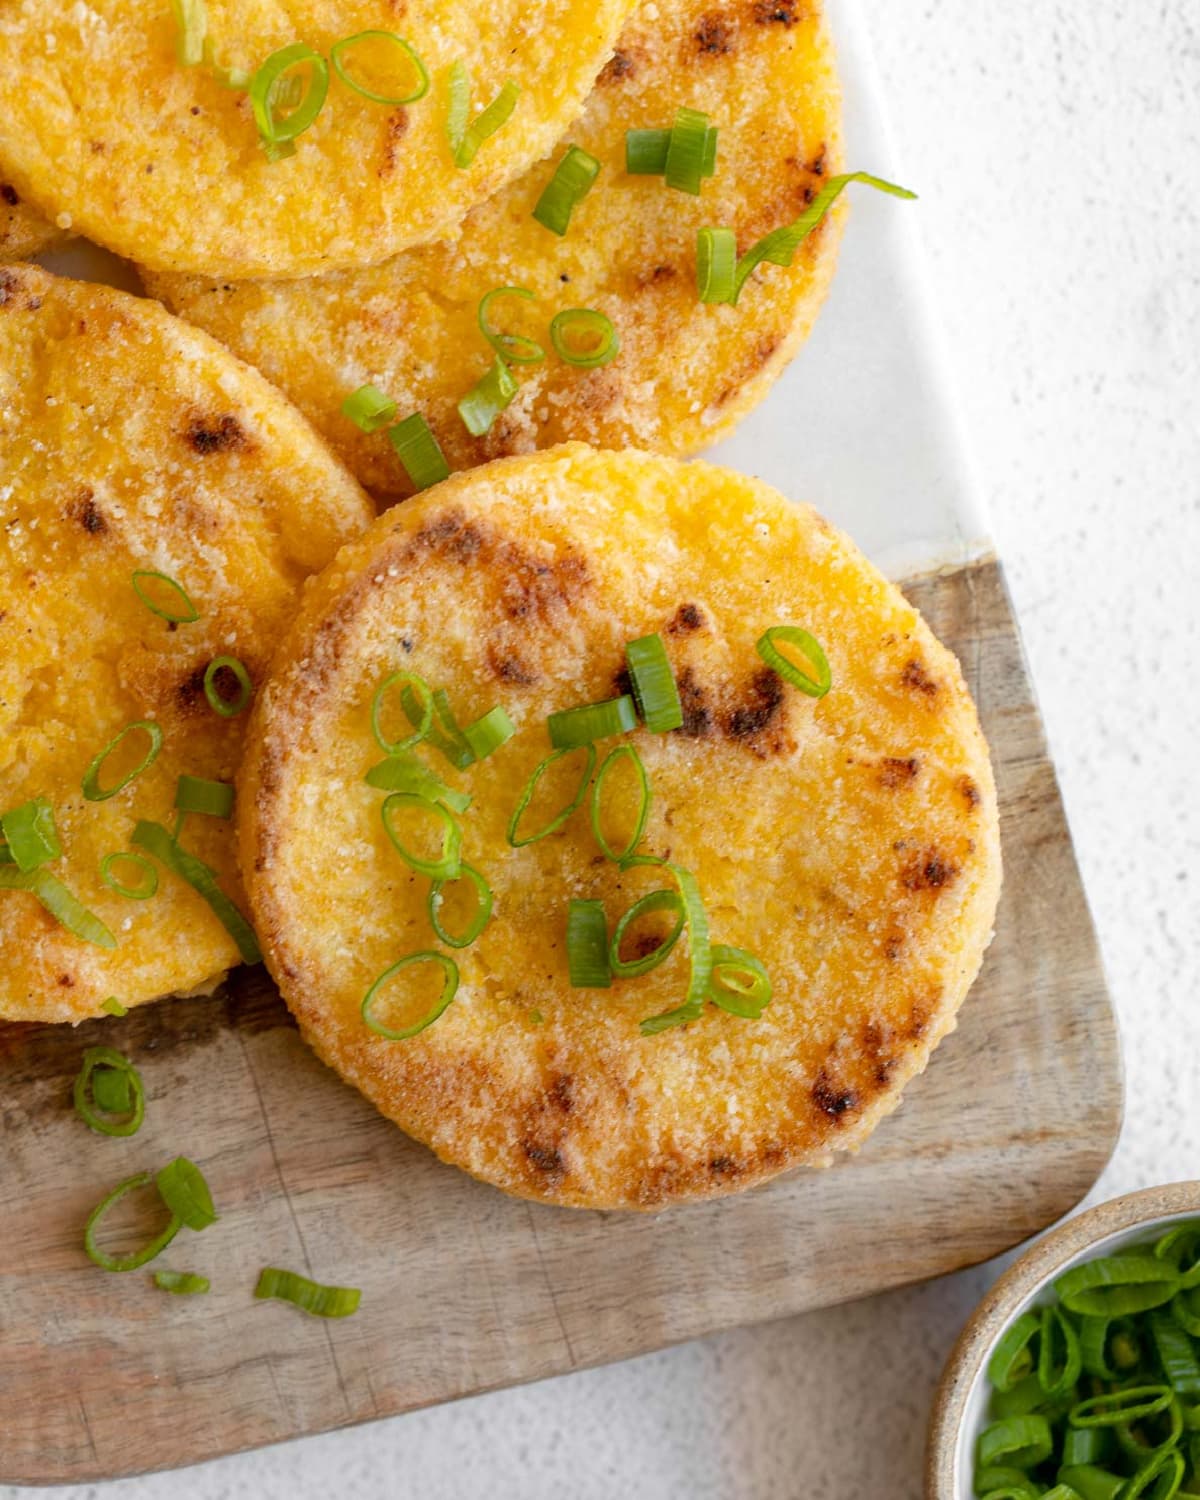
(961, 1401)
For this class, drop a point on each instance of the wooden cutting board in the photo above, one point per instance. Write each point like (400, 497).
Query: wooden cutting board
(464, 1289)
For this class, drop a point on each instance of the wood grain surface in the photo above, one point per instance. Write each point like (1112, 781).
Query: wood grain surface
(464, 1289)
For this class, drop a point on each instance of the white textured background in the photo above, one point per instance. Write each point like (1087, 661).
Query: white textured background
(1056, 145)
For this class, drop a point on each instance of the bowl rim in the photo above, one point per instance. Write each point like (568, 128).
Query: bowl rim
(1043, 1260)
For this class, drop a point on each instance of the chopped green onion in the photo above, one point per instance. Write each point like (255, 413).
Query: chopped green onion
(186, 1193)
(557, 821)
(688, 151)
(485, 124)
(92, 789)
(192, 21)
(1181, 1247)
(1117, 1285)
(487, 398)
(449, 990)
(1176, 1354)
(181, 1283)
(584, 337)
(1086, 1445)
(1121, 1407)
(369, 409)
(269, 93)
(740, 983)
(405, 773)
(448, 864)
(184, 611)
(514, 347)
(419, 452)
(196, 794)
(337, 58)
(1185, 1309)
(1012, 1360)
(573, 177)
(146, 887)
(655, 901)
(591, 721)
(1023, 1442)
(443, 733)
(480, 917)
(489, 732)
(30, 834)
(228, 708)
(65, 908)
(653, 682)
(611, 761)
(815, 683)
(1092, 1483)
(104, 1063)
(155, 840)
(1057, 1329)
(422, 693)
(1168, 1465)
(134, 1258)
(699, 948)
(587, 946)
(458, 108)
(646, 152)
(113, 1007)
(716, 265)
(309, 1296)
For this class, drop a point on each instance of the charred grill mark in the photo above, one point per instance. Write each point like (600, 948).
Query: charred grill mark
(714, 37)
(916, 676)
(693, 696)
(723, 1166)
(830, 1099)
(10, 284)
(785, 13)
(892, 947)
(89, 515)
(928, 870)
(509, 666)
(67, 981)
(817, 165)
(529, 589)
(562, 1092)
(546, 1159)
(221, 434)
(894, 772)
(190, 691)
(9, 194)
(622, 683)
(395, 128)
(687, 618)
(971, 793)
(620, 65)
(750, 718)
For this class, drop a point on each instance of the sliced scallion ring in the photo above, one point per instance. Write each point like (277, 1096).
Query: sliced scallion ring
(740, 983)
(66, 909)
(227, 705)
(611, 761)
(30, 834)
(489, 732)
(181, 1283)
(1121, 1407)
(1117, 1285)
(699, 947)
(448, 864)
(587, 946)
(197, 794)
(309, 1296)
(339, 50)
(186, 1193)
(1013, 1357)
(369, 409)
(491, 394)
(656, 901)
(458, 105)
(653, 682)
(405, 773)
(156, 841)
(1058, 1336)
(134, 1258)
(96, 1111)
(513, 347)
(422, 693)
(572, 180)
(584, 337)
(716, 265)
(146, 887)
(480, 917)
(1023, 1442)
(176, 608)
(270, 92)
(112, 1092)
(646, 152)
(815, 682)
(486, 124)
(419, 452)
(559, 818)
(92, 789)
(572, 727)
(191, 19)
(449, 990)
(688, 151)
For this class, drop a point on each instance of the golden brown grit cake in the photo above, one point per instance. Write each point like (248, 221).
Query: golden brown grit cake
(131, 442)
(686, 373)
(160, 162)
(850, 841)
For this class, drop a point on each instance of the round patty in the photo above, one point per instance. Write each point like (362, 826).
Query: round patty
(130, 442)
(850, 842)
(686, 372)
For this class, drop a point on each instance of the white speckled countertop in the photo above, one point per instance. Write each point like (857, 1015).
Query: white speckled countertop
(1057, 149)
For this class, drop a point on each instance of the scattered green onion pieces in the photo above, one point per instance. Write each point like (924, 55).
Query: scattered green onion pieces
(1176, 1354)
(369, 409)
(1023, 1442)
(611, 761)
(448, 864)
(489, 732)
(94, 1090)
(479, 920)
(421, 692)
(30, 834)
(197, 794)
(573, 727)
(271, 90)
(584, 337)
(740, 983)
(113, 1007)
(1092, 1483)
(815, 683)
(337, 56)
(458, 107)
(573, 178)
(309, 1296)
(699, 949)
(134, 1258)
(181, 1283)
(147, 885)
(587, 946)
(192, 21)
(184, 611)
(92, 789)
(1012, 1360)
(487, 398)
(716, 265)
(228, 708)
(646, 152)
(156, 841)
(186, 1193)
(1181, 1247)
(1058, 1332)
(486, 124)
(63, 906)
(559, 818)
(1185, 1309)
(449, 990)
(669, 901)
(513, 347)
(653, 681)
(688, 151)
(1117, 1285)
(405, 773)
(419, 452)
